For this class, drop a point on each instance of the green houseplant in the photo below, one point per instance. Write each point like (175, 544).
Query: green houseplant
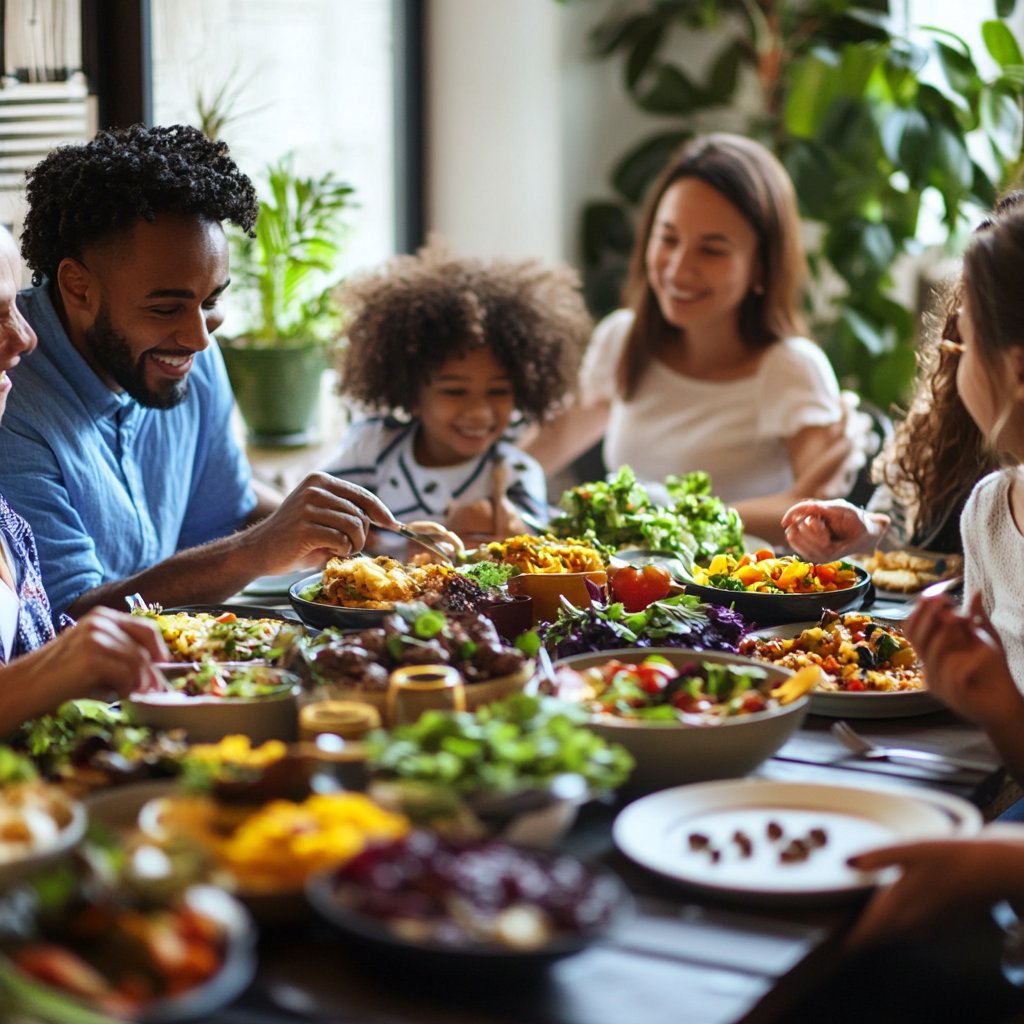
(843, 102)
(286, 270)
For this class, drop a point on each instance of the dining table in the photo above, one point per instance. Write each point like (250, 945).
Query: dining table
(686, 957)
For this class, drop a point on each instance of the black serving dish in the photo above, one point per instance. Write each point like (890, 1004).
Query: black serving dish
(323, 616)
(372, 938)
(779, 609)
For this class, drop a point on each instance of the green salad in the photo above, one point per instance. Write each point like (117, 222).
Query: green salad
(620, 514)
(518, 743)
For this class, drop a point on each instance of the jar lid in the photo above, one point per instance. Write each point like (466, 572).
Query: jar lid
(349, 719)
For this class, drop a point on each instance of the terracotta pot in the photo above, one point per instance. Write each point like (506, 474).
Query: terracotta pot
(547, 590)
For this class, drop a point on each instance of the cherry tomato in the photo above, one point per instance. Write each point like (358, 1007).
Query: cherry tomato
(753, 702)
(637, 588)
(855, 686)
(654, 677)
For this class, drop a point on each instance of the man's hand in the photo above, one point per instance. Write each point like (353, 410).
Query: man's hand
(321, 518)
(938, 880)
(822, 531)
(105, 650)
(964, 663)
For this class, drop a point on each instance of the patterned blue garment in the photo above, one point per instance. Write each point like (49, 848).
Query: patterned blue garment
(35, 624)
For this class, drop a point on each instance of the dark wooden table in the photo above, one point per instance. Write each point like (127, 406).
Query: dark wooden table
(682, 959)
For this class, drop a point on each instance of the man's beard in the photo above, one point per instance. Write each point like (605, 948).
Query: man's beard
(114, 355)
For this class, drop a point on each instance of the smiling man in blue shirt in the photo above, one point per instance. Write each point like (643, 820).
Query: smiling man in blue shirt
(116, 446)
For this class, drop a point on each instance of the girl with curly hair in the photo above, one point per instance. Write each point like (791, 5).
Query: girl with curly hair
(931, 466)
(448, 354)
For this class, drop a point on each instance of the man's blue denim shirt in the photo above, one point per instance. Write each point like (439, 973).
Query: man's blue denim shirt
(108, 486)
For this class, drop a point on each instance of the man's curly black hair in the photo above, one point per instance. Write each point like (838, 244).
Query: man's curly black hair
(412, 315)
(78, 195)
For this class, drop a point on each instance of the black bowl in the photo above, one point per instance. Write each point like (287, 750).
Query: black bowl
(323, 616)
(372, 937)
(779, 609)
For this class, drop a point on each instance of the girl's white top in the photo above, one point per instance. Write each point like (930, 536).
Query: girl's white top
(994, 563)
(378, 454)
(736, 430)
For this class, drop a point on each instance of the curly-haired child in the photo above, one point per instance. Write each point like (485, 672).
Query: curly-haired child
(448, 354)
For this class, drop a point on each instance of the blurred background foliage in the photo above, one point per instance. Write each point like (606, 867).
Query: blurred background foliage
(844, 106)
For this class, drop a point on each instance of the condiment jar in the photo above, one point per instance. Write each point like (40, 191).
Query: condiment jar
(418, 688)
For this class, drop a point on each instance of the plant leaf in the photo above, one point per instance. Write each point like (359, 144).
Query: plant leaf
(813, 84)
(1002, 121)
(671, 93)
(1004, 8)
(644, 163)
(1000, 43)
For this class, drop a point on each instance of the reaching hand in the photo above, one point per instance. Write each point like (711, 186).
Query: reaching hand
(444, 539)
(104, 650)
(476, 521)
(822, 531)
(964, 663)
(322, 517)
(940, 878)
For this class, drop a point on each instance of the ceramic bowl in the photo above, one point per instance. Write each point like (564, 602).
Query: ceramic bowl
(209, 719)
(548, 588)
(14, 872)
(373, 939)
(322, 616)
(227, 984)
(778, 609)
(673, 753)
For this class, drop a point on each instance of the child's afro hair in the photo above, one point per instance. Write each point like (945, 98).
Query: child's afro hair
(409, 317)
(80, 194)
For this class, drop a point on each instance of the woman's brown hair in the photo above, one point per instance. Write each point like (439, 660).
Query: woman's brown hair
(754, 181)
(938, 453)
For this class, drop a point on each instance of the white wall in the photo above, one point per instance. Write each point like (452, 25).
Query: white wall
(494, 126)
(316, 78)
(516, 99)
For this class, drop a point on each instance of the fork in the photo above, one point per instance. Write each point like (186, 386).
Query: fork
(424, 540)
(873, 752)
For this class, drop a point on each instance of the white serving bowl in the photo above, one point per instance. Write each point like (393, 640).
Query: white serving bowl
(209, 719)
(13, 872)
(674, 753)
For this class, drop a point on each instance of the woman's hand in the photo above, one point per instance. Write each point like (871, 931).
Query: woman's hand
(964, 663)
(822, 531)
(940, 878)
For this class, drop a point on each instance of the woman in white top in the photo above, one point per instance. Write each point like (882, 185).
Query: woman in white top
(707, 368)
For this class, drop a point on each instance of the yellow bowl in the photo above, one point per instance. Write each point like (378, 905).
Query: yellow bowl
(547, 590)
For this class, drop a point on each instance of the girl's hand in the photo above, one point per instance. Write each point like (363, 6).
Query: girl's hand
(939, 878)
(964, 663)
(445, 539)
(475, 520)
(822, 531)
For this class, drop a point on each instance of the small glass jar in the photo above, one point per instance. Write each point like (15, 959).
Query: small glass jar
(418, 688)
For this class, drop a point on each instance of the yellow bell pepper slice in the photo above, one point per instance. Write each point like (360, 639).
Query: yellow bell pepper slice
(796, 686)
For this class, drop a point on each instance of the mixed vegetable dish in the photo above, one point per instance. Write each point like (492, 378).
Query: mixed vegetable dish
(763, 573)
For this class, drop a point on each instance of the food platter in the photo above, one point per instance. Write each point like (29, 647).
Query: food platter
(322, 616)
(662, 832)
(777, 609)
(899, 704)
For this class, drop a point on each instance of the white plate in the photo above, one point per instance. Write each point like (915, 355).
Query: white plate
(901, 704)
(273, 586)
(654, 831)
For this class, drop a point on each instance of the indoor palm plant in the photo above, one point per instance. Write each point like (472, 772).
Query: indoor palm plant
(286, 270)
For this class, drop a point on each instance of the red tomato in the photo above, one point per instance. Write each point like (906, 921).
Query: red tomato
(654, 677)
(226, 617)
(855, 686)
(753, 702)
(637, 588)
(830, 665)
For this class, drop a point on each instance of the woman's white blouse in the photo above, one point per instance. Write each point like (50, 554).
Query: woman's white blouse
(736, 430)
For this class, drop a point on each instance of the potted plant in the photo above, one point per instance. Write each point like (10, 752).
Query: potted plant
(286, 270)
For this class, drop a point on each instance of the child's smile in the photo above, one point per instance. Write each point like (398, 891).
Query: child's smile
(463, 409)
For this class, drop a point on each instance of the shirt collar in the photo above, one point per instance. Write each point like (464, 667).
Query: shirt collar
(54, 344)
